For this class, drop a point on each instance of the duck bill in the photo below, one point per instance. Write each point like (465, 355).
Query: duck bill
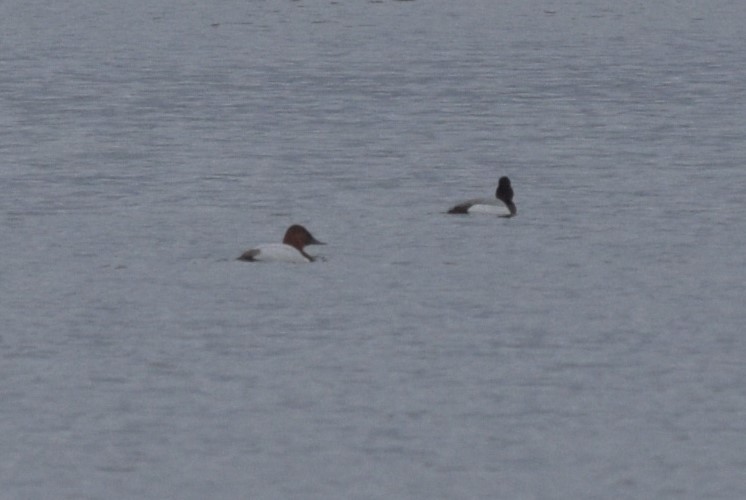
(314, 241)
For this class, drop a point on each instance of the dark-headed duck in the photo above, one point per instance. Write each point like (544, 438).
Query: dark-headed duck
(502, 205)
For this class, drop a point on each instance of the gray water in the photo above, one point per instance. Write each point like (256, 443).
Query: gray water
(591, 347)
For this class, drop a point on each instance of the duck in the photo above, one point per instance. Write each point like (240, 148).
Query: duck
(501, 206)
(290, 250)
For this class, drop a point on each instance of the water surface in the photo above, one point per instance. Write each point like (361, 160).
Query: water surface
(591, 347)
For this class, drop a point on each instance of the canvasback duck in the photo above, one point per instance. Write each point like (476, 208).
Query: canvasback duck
(502, 205)
(290, 250)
